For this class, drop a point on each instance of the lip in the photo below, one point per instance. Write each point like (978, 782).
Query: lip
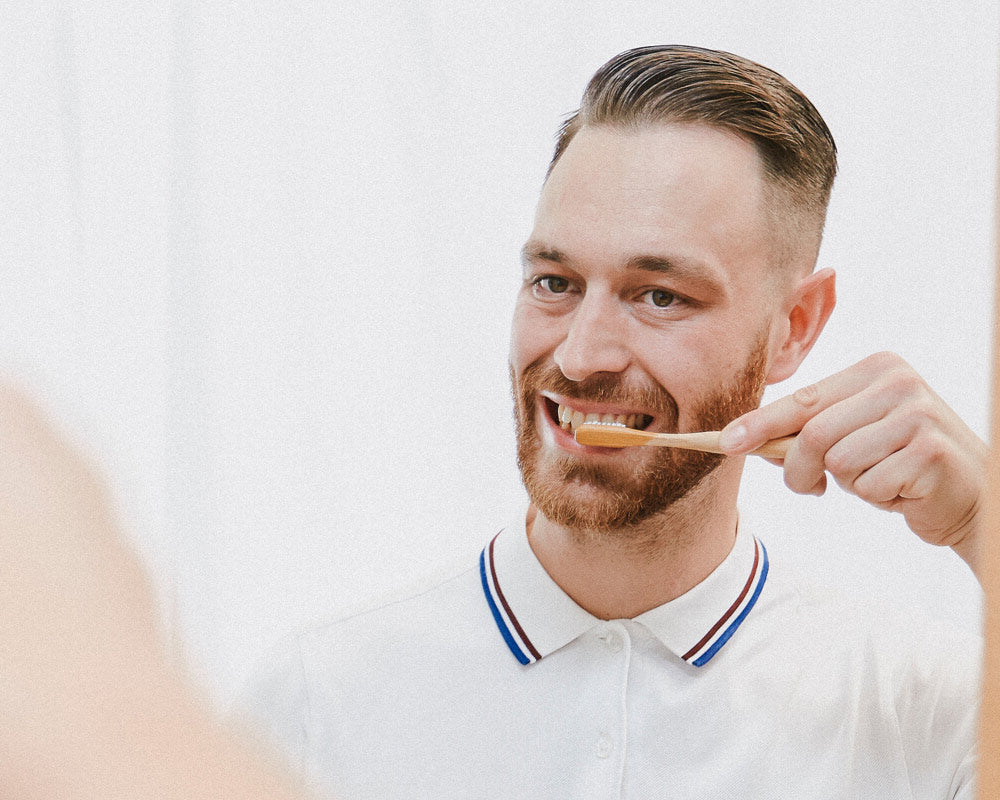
(587, 407)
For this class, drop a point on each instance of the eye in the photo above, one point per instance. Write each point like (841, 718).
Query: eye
(552, 284)
(661, 298)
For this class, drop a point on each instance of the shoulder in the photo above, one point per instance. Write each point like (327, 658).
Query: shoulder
(811, 614)
(441, 613)
(901, 680)
(429, 609)
(885, 624)
(359, 648)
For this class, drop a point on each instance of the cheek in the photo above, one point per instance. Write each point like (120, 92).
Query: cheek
(691, 366)
(675, 359)
(533, 335)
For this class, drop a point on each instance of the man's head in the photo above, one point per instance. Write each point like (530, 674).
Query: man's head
(677, 83)
(667, 278)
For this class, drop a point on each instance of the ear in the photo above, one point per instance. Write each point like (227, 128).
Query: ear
(803, 318)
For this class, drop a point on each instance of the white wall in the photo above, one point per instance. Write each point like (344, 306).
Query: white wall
(261, 257)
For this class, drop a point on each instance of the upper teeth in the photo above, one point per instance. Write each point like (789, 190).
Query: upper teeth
(571, 420)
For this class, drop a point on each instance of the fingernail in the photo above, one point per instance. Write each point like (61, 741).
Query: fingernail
(733, 438)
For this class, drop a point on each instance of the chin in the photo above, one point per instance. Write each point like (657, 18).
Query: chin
(584, 495)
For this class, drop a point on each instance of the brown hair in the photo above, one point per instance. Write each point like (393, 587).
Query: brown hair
(676, 83)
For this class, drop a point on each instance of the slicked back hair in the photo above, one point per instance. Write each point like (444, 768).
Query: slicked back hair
(683, 84)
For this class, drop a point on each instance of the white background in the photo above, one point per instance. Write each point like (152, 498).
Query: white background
(260, 259)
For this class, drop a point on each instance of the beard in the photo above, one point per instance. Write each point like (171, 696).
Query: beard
(591, 496)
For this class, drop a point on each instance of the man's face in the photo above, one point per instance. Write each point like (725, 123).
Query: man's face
(647, 298)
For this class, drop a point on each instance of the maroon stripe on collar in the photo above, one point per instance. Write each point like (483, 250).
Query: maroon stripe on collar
(725, 617)
(506, 606)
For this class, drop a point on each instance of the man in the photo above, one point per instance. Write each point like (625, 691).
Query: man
(629, 635)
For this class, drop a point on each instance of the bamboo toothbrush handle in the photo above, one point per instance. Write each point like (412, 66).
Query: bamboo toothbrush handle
(775, 448)
(708, 441)
(606, 435)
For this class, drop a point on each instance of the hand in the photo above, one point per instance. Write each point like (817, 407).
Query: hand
(880, 431)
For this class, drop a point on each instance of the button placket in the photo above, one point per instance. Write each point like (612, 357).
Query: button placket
(615, 641)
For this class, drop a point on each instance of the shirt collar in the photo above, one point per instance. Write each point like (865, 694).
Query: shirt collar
(535, 617)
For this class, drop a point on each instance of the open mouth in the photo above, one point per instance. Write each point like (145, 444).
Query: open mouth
(569, 419)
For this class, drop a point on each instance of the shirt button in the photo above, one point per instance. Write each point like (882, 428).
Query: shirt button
(614, 641)
(604, 746)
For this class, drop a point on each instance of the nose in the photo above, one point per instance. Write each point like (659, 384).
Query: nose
(596, 340)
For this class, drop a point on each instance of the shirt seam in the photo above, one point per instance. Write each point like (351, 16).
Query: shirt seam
(387, 604)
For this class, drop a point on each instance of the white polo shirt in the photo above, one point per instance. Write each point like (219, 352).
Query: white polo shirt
(495, 684)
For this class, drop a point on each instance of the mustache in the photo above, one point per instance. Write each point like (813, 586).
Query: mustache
(601, 387)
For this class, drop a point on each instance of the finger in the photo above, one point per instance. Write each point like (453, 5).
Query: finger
(789, 414)
(783, 417)
(845, 439)
(818, 489)
(863, 449)
(915, 472)
(904, 482)
(887, 482)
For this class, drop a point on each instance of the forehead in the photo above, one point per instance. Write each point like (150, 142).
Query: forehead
(678, 191)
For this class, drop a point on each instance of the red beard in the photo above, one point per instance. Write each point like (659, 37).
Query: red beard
(585, 495)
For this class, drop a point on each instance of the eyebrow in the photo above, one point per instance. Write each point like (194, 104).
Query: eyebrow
(690, 270)
(532, 252)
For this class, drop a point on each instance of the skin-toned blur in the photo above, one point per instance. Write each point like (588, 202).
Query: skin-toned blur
(92, 706)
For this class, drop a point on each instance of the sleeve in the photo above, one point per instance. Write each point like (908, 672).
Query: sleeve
(939, 710)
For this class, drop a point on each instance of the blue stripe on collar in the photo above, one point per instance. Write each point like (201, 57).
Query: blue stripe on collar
(719, 634)
(513, 634)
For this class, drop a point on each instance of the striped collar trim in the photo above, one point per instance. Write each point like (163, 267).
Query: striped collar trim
(508, 625)
(535, 617)
(726, 625)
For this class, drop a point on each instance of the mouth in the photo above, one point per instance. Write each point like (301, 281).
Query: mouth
(569, 418)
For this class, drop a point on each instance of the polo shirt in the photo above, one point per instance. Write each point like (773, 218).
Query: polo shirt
(493, 683)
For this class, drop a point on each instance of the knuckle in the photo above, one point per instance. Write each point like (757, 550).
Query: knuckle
(871, 488)
(927, 414)
(899, 385)
(807, 396)
(884, 361)
(838, 462)
(814, 436)
(930, 448)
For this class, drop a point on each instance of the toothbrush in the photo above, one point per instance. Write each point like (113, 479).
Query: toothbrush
(614, 434)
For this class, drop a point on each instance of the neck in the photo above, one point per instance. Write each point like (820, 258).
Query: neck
(619, 574)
